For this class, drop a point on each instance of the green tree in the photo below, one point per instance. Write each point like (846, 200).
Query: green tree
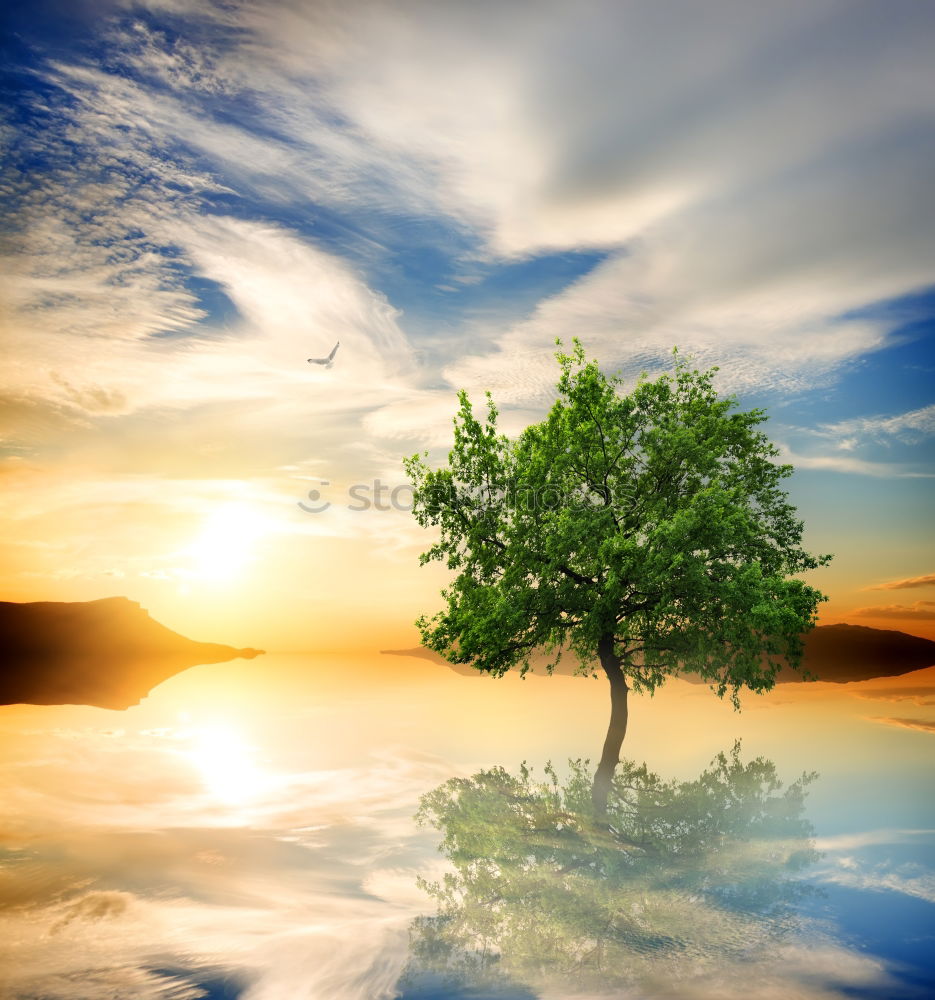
(647, 529)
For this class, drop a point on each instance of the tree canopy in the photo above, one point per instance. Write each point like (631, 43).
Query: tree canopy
(648, 529)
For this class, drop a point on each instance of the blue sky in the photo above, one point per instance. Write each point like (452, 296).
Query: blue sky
(198, 196)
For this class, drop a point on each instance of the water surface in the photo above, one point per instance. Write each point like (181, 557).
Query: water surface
(248, 831)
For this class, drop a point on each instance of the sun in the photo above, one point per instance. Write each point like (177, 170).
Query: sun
(227, 544)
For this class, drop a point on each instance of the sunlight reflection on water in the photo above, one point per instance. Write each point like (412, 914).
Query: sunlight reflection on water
(247, 831)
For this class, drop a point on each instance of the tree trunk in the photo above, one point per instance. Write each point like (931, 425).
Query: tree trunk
(618, 724)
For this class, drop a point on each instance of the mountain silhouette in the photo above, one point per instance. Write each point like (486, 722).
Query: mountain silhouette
(109, 653)
(835, 653)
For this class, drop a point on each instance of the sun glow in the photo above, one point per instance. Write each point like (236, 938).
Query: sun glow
(227, 544)
(226, 762)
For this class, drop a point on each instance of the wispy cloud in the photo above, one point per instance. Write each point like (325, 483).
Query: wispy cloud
(850, 464)
(923, 725)
(908, 584)
(884, 860)
(910, 426)
(747, 234)
(846, 439)
(870, 838)
(921, 696)
(912, 883)
(751, 260)
(920, 610)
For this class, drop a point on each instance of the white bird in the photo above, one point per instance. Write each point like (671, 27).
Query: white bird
(329, 361)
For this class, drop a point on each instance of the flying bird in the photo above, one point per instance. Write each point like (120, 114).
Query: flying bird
(329, 361)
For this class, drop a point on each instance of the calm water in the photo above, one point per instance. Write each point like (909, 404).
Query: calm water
(248, 831)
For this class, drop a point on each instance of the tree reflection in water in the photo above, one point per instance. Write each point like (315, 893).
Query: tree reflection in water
(678, 875)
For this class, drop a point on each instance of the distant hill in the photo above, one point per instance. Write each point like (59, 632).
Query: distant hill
(842, 653)
(835, 653)
(109, 653)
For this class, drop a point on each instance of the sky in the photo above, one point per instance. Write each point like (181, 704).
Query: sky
(198, 195)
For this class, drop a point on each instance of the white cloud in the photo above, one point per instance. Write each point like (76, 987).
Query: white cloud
(585, 126)
(763, 169)
(869, 838)
(909, 426)
(855, 466)
(847, 436)
(766, 171)
(761, 284)
(909, 879)
(294, 300)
